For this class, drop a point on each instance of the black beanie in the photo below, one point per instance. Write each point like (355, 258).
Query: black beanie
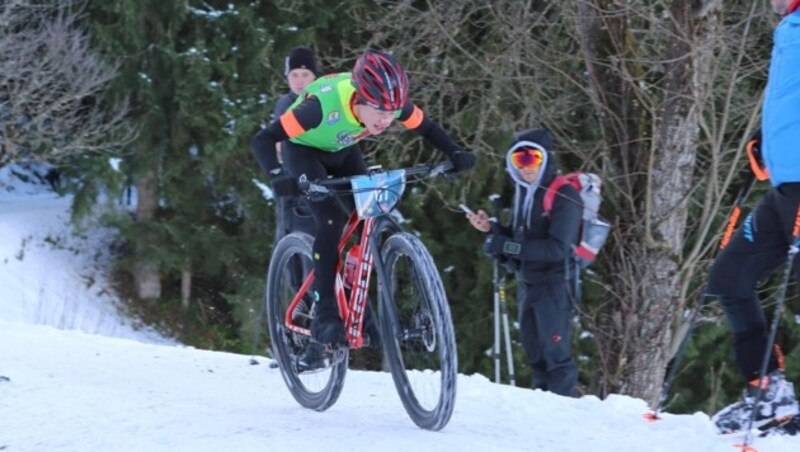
(301, 58)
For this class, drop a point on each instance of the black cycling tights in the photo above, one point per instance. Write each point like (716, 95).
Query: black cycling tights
(330, 214)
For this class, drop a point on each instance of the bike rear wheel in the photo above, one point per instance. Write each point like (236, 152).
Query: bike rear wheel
(418, 332)
(318, 389)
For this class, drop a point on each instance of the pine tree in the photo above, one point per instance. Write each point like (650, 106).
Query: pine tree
(195, 79)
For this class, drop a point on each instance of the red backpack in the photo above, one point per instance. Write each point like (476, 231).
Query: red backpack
(594, 230)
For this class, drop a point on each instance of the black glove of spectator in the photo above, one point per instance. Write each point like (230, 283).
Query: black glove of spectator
(284, 184)
(497, 245)
(462, 161)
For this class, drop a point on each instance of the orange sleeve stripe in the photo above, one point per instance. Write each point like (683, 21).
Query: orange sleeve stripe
(413, 121)
(761, 173)
(291, 125)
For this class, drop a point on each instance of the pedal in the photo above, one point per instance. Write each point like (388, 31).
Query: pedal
(317, 357)
(313, 358)
(313, 366)
(338, 353)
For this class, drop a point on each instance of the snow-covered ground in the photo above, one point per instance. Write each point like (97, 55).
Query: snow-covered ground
(68, 390)
(50, 274)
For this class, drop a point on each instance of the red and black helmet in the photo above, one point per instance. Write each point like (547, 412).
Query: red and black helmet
(380, 81)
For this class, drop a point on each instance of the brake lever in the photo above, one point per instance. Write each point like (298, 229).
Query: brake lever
(441, 169)
(315, 192)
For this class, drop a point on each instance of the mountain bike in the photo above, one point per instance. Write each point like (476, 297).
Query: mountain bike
(413, 313)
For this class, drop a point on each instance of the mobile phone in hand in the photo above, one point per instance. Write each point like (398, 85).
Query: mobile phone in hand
(466, 209)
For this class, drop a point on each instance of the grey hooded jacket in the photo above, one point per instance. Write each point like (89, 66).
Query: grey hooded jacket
(546, 241)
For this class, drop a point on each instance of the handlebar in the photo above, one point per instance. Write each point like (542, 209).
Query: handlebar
(328, 187)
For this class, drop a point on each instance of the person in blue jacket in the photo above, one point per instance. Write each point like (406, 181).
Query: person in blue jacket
(760, 246)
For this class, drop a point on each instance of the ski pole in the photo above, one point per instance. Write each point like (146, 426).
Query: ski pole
(496, 345)
(507, 330)
(776, 318)
(500, 306)
(658, 405)
(257, 334)
(730, 227)
(496, 307)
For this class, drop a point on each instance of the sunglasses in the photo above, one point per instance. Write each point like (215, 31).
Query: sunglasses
(527, 158)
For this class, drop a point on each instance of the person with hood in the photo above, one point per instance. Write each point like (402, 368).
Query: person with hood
(539, 245)
(760, 246)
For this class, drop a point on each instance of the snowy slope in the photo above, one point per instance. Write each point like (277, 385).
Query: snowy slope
(49, 273)
(75, 376)
(71, 391)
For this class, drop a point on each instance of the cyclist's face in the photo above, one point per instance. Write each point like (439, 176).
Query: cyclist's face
(376, 121)
(299, 79)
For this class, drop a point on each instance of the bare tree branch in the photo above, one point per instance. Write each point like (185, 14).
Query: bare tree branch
(52, 85)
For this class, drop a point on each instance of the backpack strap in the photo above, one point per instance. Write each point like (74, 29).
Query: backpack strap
(552, 189)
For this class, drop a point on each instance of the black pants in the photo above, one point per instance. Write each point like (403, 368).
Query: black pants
(330, 214)
(545, 313)
(756, 250)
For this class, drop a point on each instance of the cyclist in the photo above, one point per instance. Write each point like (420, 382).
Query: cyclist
(323, 128)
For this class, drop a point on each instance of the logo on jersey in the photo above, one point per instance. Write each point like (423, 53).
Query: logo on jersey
(333, 117)
(346, 138)
(326, 88)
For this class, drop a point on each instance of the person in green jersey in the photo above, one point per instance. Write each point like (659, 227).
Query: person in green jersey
(322, 129)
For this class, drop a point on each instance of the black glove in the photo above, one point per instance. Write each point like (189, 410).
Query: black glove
(462, 161)
(756, 136)
(497, 245)
(284, 184)
(755, 139)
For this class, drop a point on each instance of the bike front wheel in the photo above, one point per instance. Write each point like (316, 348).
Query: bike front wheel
(289, 267)
(418, 332)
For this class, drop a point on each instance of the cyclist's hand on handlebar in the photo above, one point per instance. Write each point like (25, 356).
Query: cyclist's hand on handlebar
(284, 184)
(462, 161)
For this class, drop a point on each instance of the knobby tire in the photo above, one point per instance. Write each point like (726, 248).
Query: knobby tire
(315, 390)
(417, 331)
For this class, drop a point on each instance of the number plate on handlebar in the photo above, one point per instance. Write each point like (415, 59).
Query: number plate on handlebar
(377, 194)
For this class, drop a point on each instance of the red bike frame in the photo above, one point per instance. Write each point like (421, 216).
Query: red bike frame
(351, 310)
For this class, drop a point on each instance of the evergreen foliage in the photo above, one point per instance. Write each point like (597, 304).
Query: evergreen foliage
(195, 75)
